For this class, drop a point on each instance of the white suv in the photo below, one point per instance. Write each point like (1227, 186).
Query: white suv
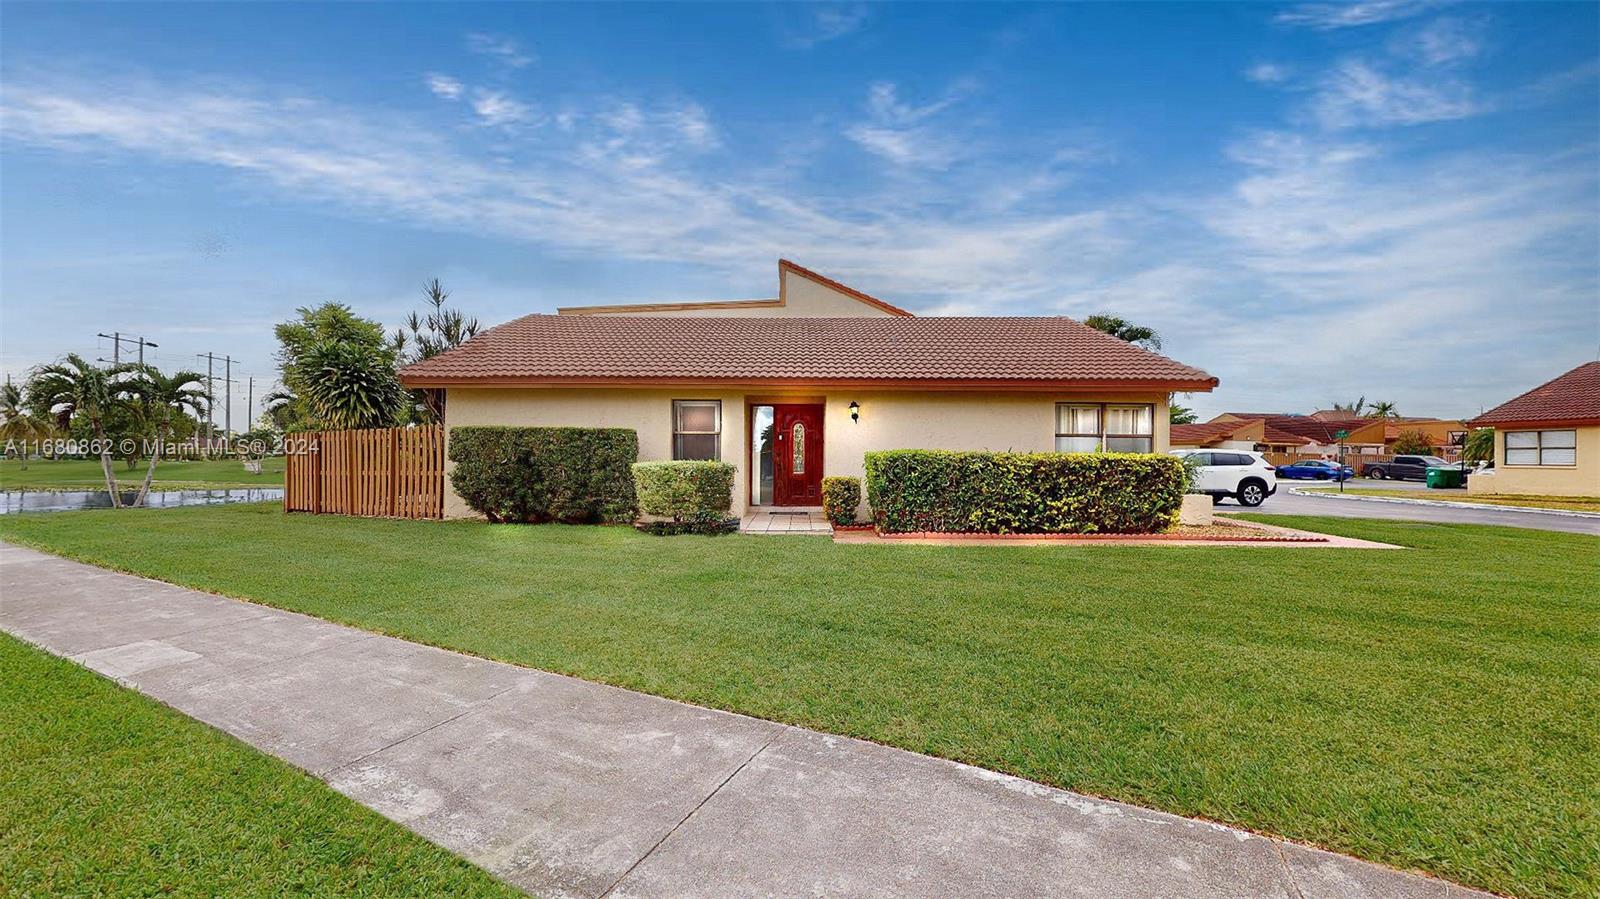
(1245, 476)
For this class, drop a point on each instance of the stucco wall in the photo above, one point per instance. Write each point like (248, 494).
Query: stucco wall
(1023, 422)
(1582, 479)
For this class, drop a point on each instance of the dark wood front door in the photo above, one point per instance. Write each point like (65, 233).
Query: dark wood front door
(797, 456)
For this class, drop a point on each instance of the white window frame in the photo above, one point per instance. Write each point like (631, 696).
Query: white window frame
(1102, 416)
(1540, 447)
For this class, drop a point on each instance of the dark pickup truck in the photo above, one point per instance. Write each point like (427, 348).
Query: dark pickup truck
(1402, 468)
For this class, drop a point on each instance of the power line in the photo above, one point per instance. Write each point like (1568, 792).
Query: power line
(117, 340)
(211, 398)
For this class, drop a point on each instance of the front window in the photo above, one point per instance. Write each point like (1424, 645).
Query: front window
(1541, 448)
(1115, 427)
(697, 429)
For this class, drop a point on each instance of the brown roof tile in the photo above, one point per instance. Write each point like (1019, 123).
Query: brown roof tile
(889, 351)
(1205, 432)
(1574, 397)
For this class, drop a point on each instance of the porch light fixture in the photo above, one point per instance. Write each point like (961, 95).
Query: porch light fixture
(855, 411)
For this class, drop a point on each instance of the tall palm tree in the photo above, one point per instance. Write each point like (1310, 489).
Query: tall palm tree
(162, 397)
(1355, 408)
(76, 388)
(18, 423)
(1383, 410)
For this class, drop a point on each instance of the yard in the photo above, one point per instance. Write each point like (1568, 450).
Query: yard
(106, 793)
(84, 474)
(1432, 708)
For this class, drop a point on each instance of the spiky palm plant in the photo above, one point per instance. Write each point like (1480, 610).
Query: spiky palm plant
(164, 396)
(18, 423)
(350, 385)
(1123, 329)
(1383, 409)
(77, 388)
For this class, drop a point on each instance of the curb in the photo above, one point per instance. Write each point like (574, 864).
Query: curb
(1438, 504)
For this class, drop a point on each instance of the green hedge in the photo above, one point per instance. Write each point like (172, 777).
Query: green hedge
(576, 475)
(841, 496)
(1041, 493)
(696, 493)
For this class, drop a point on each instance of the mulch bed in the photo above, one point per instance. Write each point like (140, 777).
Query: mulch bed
(1233, 533)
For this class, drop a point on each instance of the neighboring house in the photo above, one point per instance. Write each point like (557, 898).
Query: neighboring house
(1372, 436)
(795, 388)
(1546, 441)
(1248, 434)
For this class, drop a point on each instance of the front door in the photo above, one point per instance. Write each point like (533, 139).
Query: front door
(797, 456)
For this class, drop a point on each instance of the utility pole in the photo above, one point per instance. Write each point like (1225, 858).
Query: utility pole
(211, 401)
(250, 404)
(117, 340)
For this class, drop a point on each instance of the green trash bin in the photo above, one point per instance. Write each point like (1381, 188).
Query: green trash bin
(1444, 478)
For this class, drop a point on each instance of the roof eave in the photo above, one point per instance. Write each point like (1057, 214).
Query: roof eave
(1167, 385)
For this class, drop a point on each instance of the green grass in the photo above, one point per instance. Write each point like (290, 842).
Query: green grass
(104, 792)
(1570, 503)
(1432, 708)
(84, 474)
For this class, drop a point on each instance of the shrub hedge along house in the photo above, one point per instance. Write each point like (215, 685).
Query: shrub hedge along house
(792, 389)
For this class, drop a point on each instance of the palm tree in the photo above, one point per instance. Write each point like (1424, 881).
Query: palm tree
(163, 395)
(1123, 329)
(1354, 408)
(19, 424)
(76, 388)
(1383, 410)
(1479, 445)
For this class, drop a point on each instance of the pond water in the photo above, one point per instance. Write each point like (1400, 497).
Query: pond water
(13, 501)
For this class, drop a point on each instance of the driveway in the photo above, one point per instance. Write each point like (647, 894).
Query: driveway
(573, 789)
(1285, 503)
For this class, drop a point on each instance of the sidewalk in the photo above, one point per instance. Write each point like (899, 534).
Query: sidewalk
(569, 788)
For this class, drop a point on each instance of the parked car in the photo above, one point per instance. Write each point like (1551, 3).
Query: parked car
(1245, 476)
(1316, 470)
(1402, 468)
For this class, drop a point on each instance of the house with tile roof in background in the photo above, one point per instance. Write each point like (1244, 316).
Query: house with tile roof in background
(801, 386)
(1546, 441)
(1318, 434)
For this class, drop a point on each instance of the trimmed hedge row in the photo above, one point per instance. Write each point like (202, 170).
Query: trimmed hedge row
(841, 496)
(695, 495)
(1039, 493)
(574, 475)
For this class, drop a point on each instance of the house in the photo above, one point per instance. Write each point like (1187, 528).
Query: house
(1247, 434)
(1319, 432)
(799, 387)
(1546, 441)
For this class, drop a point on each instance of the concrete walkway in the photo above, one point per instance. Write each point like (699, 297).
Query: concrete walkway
(568, 788)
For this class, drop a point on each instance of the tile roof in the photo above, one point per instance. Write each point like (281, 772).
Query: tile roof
(1574, 396)
(1205, 432)
(1216, 431)
(1319, 430)
(969, 351)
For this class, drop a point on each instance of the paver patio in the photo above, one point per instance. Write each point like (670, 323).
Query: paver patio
(569, 788)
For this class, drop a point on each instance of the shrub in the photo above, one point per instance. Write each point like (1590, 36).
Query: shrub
(1412, 443)
(999, 493)
(695, 495)
(575, 475)
(841, 496)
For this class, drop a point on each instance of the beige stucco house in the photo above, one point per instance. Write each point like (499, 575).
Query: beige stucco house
(1546, 441)
(800, 387)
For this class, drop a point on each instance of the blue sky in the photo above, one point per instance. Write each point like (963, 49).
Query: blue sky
(1392, 198)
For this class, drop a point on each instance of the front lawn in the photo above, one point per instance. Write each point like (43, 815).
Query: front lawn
(104, 792)
(1569, 503)
(1431, 708)
(84, 474)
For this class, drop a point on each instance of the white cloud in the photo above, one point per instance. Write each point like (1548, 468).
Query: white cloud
(901, 132)
(1267, 73)
(1443, 41)
(495, 108)
(1356, 94)
(503, 50)
(1329, 16)
(825, 23)
(444, 86)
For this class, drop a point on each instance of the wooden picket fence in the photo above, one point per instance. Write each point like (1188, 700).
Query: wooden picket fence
(380, 473)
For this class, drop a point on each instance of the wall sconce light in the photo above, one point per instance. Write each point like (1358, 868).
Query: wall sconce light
(855, 411)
